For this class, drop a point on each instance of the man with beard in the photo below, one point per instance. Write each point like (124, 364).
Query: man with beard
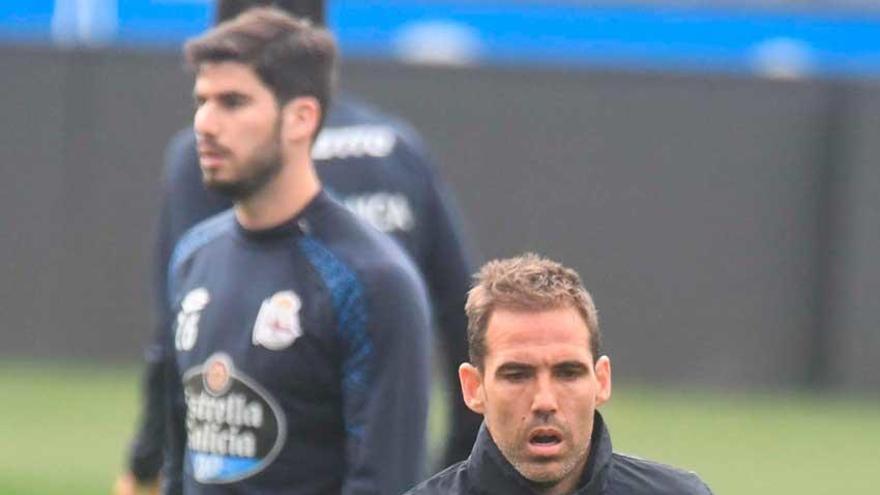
(299, 347)
(537, 376)
(378, 166)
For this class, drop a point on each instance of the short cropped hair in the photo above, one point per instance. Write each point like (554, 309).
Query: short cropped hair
(525, 283)
(290, 56)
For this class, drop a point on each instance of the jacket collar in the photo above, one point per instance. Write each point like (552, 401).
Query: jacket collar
(492, 474)
(298, 225)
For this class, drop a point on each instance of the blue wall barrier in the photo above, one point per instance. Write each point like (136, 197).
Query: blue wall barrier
(776, 42)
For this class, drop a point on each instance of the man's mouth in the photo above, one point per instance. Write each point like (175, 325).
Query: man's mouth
(210, 158)
(545, 441)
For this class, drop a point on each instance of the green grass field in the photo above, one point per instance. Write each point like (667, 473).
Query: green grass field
(63, 429)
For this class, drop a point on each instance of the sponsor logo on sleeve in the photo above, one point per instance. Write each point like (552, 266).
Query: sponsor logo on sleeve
(188, 318)
(354, 142)
(234, 427)
(278, 324)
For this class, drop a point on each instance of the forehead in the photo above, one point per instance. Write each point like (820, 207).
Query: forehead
(221, 77)
(553, 334)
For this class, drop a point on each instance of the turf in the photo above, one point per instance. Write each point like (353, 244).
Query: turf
(755, 443)
(63, 429)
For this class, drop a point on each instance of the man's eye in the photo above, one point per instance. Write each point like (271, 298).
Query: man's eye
(515, 376)
(232, 101)
(570, 373)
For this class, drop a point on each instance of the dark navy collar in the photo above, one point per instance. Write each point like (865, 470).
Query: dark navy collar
(492, 474)
(300, 224)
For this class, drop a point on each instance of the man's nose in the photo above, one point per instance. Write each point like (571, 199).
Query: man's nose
(544, 401)
(205, 120)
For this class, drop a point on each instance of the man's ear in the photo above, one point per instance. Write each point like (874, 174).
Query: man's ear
(301, 116)
(603, 376)
(472, 387)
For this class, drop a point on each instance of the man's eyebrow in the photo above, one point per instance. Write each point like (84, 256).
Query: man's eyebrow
(571, 366)
(573, 363)
(223, 94)
(513, 366)
(231, 92)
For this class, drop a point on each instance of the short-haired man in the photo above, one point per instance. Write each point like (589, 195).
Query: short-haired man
(537, 377)
(299, 348)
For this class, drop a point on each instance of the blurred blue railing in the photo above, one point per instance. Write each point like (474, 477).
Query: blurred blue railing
(777, 42)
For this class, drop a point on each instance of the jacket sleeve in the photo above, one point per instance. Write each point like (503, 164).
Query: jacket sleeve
(163, 404)
(702, 488)
(385, 373)
(145, 457)
(448, 272)
(174, 410)
(175, 438)
(447, 266)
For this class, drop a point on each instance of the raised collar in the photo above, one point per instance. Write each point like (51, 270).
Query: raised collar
(298, 225)
(492, 474)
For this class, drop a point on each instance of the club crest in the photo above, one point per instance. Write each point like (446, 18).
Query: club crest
(217, 373)
(188, 318)
(278, 324)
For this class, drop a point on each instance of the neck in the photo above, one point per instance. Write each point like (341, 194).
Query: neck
(569, 483)
(564, 487)
(283, 197)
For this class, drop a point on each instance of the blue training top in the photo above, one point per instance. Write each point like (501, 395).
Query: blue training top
(301, 358)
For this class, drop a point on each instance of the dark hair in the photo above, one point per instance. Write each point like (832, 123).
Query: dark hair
(526, 283)
(289, 55)
(312, 10)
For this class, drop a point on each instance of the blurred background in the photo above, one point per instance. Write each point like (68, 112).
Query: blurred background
(710, 169)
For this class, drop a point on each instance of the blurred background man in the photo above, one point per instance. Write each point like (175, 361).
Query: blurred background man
(379, 167)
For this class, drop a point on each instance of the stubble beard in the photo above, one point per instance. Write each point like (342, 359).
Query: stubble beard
(257, 172)
(545, 475)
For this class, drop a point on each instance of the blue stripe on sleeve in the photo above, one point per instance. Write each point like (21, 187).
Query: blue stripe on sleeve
(349, 306)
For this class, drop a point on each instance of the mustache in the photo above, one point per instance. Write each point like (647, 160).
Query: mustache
(545, 421)
(210, 145)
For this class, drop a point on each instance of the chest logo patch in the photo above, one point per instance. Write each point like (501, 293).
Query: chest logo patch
(234, 427)
(278, 323)
(188, 318)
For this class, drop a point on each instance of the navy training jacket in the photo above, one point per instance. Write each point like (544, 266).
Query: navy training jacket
(300, 358)
(487, 472)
